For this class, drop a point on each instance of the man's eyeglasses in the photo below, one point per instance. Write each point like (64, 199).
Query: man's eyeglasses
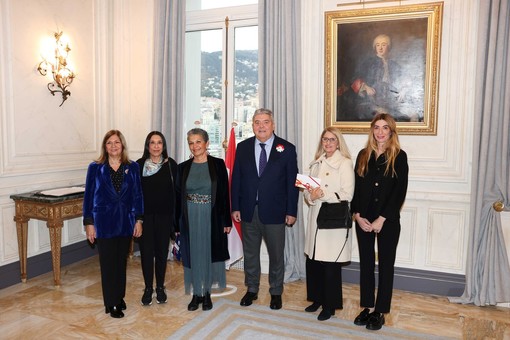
(331, 140)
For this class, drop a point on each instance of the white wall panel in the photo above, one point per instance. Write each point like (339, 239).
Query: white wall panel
(505, 224)
(39, 231)
(132, 40)
(445, 242)
(74, 230)
(407, 242)
(9, 242)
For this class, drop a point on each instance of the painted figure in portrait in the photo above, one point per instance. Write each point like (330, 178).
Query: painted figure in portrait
(387, 76)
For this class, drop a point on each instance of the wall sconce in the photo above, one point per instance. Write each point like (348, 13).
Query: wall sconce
(62, 75)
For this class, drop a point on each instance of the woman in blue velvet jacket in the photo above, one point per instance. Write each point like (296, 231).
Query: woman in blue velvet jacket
(112, 215)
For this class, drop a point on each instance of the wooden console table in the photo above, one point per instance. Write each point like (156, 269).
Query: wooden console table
(52, 209)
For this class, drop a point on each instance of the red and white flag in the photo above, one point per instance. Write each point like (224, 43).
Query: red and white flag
(235, 243)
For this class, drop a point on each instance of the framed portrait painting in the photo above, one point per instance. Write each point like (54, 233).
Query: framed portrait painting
(383, 60)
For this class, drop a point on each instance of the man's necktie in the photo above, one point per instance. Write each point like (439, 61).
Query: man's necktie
(262, 159)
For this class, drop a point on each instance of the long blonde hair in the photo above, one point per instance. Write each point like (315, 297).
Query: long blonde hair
(392, 146)
(342, 146)
(103, 158)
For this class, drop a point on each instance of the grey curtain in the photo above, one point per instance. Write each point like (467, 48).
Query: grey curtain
(168, 88)
(488, 271)
(280, 91)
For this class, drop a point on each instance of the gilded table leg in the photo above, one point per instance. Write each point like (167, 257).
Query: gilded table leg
(55, 229)
(22, 231)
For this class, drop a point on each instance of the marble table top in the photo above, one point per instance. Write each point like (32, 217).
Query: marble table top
(39, 196)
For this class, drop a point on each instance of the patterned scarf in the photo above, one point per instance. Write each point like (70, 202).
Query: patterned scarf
(150, 168)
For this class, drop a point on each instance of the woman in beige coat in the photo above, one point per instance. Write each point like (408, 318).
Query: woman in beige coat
(327, 250)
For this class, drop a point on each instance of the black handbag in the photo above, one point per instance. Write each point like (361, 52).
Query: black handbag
(334, 215)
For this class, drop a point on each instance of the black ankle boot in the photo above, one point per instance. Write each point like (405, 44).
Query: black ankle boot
(195, 301)
(207, 304)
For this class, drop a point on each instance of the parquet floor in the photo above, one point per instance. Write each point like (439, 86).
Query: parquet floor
(38, 310)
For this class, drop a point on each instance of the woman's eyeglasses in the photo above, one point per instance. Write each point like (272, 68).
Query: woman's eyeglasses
(331, 140)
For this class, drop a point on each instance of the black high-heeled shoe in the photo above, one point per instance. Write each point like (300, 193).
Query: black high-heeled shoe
(115, 311)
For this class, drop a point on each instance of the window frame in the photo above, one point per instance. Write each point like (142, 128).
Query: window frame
(214, 19)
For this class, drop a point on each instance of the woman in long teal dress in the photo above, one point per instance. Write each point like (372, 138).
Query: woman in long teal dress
(204, 220)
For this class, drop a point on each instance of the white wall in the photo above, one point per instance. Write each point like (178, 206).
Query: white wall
(44, 145)
(435, 215)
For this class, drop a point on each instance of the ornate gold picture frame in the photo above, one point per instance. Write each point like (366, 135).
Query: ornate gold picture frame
(383, 60)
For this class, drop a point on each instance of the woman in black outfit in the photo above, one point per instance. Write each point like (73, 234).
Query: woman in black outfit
(381, 174)
(158, 172)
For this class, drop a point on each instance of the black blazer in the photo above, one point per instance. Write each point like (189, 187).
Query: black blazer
(378, 195)
(220, 213)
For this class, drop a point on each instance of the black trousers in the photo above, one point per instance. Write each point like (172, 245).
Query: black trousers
(324, 283)
(387, 241)
(154, 244)
(113, 254)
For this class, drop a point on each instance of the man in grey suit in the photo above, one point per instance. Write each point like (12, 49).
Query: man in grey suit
(264, 200)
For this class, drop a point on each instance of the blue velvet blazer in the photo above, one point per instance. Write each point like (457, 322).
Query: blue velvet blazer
(113, 213)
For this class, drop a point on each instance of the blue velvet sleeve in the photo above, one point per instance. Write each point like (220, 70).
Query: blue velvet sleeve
(88, 199)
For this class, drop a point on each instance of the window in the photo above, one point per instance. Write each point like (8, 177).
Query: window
(221, 71)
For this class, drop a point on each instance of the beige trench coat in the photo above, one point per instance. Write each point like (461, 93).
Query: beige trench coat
(337, 175)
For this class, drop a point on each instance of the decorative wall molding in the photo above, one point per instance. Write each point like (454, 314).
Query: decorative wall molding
(6, 89)
(446, 236)
(407, 245)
